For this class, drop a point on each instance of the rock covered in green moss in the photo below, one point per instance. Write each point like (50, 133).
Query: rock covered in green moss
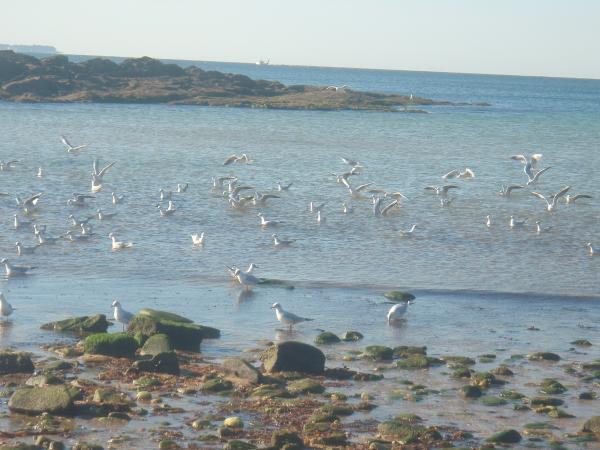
(155, 344)
(110, 344)
(165, 362)
(404, 351)
(217, 385)
(242, 369)
(82, 324)
(37, 400)
(550, 386)
(592, 425)
(470, 391)
(399, 296)
(414, 362)
(238, 445)
(490, 400)
(546, 401)
(305, 386)
(581, 343)
(378, 353)
(352, 336)
(287, 439)
(459, 360)
(293, 356)
(544, 356)
(12, 362)
(505, 437)
(326, 337)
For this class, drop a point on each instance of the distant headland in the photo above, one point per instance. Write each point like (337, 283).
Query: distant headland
(25, 78)
(37, 49)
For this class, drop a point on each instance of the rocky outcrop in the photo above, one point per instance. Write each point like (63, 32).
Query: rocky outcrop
(37, 400)
(11, 362)
(83, 324)
(146, 80)
(293, 356)
(111, 344)
(164, 362)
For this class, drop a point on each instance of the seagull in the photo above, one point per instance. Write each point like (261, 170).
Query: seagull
(7, 165)
(466, 174)
(78, 237)
(79, 222)
(101, 215)
(388, 208)
(120, 314)
(278, 242)
(70, 148)
(350, 162)
(78, 199)
(407, 233)
(552, 205)
(287, 318)
(40, 172)
(539, 229)
(43, 240)
(261, 199)
(396, 195)
(445, 202)
(246, 279)
(232, 270)
(116, 199)
(165, 212)
(243, 158)
(22, 250)
(336, 88)
(116, 245)
(20, 223)
(86, 229)
(516, 223)
(441, 190)
(164, 195)
(507, 189)
(6, 308)
(267, 223)
(488, 221)
(397, 311)
(529, 163)
(12, 271)
(198, 239)
(96, 184)
(99, 173)
(314, 208)
(320, 219)
(182, 187)
(355, 191)
(29, 202)
(281, 187)
(571, 199)
(218, 182)
(38, 229)
(347, 209)
(533, 177)
(590, 249)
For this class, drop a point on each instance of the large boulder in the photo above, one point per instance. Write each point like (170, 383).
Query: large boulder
(37, 400)
(83, 324)
(165, 362)
(242, 370)
(293, 356)
(183, 333)
(592, 425)
(110, 344)
(15, 363)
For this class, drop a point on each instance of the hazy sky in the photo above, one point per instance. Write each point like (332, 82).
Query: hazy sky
(528, 37)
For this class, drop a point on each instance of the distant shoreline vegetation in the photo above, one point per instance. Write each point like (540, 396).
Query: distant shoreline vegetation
(55, 79)
(36, 49)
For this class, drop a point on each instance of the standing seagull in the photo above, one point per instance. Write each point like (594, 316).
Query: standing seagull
(70, 148)
(397, 311)
(287, 318)
(245, 279)
(6, 308)
(120, 314)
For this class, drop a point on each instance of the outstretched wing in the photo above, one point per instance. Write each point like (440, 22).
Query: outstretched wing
(452, 174)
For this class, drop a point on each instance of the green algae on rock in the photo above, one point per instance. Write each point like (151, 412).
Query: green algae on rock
(505, 437)
(326, 337)
(110, 344)
(399, 296)
(352, 336)
(36, 400)
(544, 356)
(15, 362)
(378, 353)
(83, 324)
(155, 344)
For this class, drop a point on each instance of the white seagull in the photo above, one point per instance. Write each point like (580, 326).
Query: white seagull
(120, 314)
(7, 165)
(441, 190)
(552, 200)
(513, 223)
(181, 188)
(488, 221)
(198, 239)
(101, 215)
(397, 311)
(264, 223)
(78, 199)
(287, 318)
(281, 187)
(571, 199)
(116, 199)
(12, 271)
(22, 250)
(71, 149)
(6, 308)
(507, 189)
(407, 233)
(590, 249)
(466, 174)
(246, 279)
(279, 242)
(117, 245)
(539, 229)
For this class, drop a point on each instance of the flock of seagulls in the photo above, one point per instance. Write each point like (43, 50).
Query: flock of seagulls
(245, 196)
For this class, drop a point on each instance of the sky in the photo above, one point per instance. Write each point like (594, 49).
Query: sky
(516, 37)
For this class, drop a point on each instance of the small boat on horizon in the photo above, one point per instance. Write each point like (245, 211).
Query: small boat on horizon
(263, 62)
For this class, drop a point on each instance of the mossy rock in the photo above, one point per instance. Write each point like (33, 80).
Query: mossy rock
(352, 336)
(183, 335)
(582, 343)
(165, 362)
(592, 425)
(546, 401)
(292, 356)
(155, 344)
(588, 395)
(86, 446)
(503, 371)
(38, 400)
(399, 296)
(484, 379)
(544, 356)
(282, 438)
(415, 362)
(487, 358)
(490, 400)
(406, 433)
(20, 446)
(268, 391)
(461, 372)
(59, 366)
(539, 426)
(217, 385)
(459, 360)
(409, 418)
(378, 353)
(337, 409)
(305, 386)
(511, 395)
(163, 315)
(82, 324)
(326, 337)
(594, 365)
(404, 351)
(551, 386)
(470, 391)
(110, 344)
(11, 362)
(505, 437)
(43, 380)
(146, 382)
(242, 369)
(238, 445)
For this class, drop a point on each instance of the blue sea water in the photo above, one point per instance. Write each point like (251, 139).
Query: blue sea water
(452, 252)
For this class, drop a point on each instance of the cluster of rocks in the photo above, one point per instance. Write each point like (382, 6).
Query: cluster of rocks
(25, 78)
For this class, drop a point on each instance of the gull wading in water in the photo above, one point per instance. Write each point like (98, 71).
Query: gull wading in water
(29, 202)
(12, 271)
(22, 250)
(590, 249)
(232, 270)
(281, 187)
(441, 190)
(279, 242)
(117, 245)
(539, 229)
(198, 239)
(571, 199)
(320, 218)
(552, 204)
(267, 223)
(40, 172)
(101, 215)
(513, 223)
(120, 315)
(287, 318)
(7, 165)
(246, 279)
(78, 199)
(117, 199)
(243, 158)
(407, 233)
(347, 209)
(70, 148)
(488, 221)
(181, 188)
(6, 308)
(397, 311)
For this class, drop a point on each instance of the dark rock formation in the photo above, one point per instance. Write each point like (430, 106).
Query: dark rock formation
(293, 356)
